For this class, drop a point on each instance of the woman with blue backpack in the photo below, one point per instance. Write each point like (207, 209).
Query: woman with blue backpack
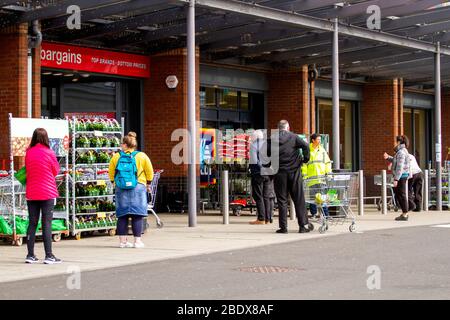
(131, 171)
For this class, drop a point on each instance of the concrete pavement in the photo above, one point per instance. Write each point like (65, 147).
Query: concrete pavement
(176, 240)
(400, 264)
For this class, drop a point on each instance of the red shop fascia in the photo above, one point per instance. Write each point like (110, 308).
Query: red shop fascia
(93, 82)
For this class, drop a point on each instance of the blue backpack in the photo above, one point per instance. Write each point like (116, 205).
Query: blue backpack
(126, 171)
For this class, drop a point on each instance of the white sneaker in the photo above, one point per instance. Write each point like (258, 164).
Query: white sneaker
(126, 245)
(139, 245)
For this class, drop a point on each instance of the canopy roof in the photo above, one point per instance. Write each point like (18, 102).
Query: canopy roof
(262, 33)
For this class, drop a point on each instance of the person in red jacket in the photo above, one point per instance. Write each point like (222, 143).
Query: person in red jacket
(41, 191)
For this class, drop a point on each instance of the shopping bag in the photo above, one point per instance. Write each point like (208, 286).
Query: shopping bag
(5, 228)
(21, 176)
(58, 225)
(21, 225)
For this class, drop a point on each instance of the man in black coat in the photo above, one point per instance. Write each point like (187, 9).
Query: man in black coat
(288, 179)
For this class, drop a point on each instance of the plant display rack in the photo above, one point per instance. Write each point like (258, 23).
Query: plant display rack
(445, 189)
(92, 196)
(13, 204)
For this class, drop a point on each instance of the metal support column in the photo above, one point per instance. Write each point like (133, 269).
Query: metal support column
(426, 191)
(438, 141)
(335, 135)
(192, 174)
(361, 193)
(225, 198)
(383, 192)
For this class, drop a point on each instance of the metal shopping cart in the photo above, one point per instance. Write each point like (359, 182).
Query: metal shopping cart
(392, 203)
(152, 199)
(332, 190)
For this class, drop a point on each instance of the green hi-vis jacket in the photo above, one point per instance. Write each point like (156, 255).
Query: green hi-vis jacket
(319, 164)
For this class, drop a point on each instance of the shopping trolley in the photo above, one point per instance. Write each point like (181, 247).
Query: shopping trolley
(332, 190)
(152, 199)
(392, 203)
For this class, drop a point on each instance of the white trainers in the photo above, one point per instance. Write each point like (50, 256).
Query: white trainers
(139, 245)
(126, 245)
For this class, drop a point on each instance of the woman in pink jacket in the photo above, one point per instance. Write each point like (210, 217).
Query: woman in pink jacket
(41, 192)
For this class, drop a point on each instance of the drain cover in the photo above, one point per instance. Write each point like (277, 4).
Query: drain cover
(269, 269)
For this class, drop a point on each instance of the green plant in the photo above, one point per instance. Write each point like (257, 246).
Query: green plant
(82, 142)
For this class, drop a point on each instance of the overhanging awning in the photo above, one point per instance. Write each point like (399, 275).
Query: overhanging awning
(263, 33)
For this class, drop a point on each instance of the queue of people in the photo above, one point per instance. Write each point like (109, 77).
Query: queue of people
(297, 161)
(131, 172)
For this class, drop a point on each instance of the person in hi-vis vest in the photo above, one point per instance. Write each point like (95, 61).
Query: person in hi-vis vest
(319, 164)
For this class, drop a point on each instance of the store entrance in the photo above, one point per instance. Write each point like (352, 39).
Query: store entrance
(66, 92)
(228, 110)
(349, 143)
(416, 129)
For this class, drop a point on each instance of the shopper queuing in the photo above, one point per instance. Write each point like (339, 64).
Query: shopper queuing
(319, 165)
(131, 171)
(41, 192)
(401, 172)
(288, 180)
(415, 184)
(262, 185)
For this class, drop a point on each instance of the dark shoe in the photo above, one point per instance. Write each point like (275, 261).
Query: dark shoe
(417, 210)
(303, 230)
(401, 218)
(52, 260)
(31, 259)
(282, 231)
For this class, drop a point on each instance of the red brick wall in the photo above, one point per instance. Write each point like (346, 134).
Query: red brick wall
(380, 125)
(36, 82)
(13, 79)
(166, 110)
(400, 107)
(287, 98)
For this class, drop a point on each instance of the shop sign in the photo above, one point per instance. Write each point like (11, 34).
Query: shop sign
(22, 130)
(76, 58)
(91, 115)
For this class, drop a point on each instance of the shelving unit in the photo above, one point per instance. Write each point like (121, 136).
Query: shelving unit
(95, 211)
(445, 188)
(13, 205)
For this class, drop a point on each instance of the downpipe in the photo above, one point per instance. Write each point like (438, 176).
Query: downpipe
(34, 41)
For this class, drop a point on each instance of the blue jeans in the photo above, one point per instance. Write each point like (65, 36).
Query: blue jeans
(313, 210)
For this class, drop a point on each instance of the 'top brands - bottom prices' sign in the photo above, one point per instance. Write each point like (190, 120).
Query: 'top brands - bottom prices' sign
(61, 56)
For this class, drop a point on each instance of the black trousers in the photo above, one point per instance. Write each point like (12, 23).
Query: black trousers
(400, 195)
(415, 189)
(262, 189)
(34, 210)
(290, 183)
